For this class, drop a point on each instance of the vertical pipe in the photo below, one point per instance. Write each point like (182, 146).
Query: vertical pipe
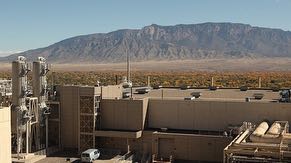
(212, 81)
(116, 80)
(59, 126)
(53, 78)
(101, 93)
(27, 136)
(128, 66)
(149, 81)
(130, 92)
(46, 133)
(128, 148)
(18, 139)
(260, 82)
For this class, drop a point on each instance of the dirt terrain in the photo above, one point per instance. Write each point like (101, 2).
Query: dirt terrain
(265, 64)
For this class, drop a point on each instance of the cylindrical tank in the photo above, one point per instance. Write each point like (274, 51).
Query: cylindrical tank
(261, 129)
(275, 129)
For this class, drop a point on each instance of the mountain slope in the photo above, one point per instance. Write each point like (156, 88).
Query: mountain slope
(154, 42)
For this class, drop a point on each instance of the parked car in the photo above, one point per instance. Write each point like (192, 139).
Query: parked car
(90, 155)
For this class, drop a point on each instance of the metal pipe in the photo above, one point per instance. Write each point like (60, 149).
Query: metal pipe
(128, 66)
(116, 79)
(260, 82)
(27, 136)
(46, 133)
(149, 81)
(242, 137)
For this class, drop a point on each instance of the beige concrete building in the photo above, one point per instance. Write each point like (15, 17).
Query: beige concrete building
(165, 127)
(5, 135)
(79, 107)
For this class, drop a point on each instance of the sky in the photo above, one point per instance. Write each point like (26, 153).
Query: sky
(31, 24)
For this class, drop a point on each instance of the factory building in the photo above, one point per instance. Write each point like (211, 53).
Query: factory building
(161, 127)
(165, 125)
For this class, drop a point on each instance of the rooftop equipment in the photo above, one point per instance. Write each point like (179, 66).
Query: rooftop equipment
(157, 86)
(285, 95)
(125, 94)
(244, 88)
(275, 89)
(258, 96)
(189, 98)
(261, 144)
(142, 90)
(40, 89)
(184, 87)
(196, 94)
(213, 88)
(28, 112)
(20, 112)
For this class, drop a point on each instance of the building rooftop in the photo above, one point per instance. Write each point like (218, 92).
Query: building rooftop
(206, 94)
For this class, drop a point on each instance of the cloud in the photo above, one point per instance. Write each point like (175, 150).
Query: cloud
(6, 53)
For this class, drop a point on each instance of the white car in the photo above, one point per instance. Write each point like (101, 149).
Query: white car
(90, 155)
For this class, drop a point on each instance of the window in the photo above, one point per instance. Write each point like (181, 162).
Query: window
(85, 155)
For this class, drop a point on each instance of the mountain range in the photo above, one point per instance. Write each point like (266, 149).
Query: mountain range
(179, 42)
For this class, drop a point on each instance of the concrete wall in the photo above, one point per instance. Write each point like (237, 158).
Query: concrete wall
(180, 146)
(189, 147)
(5, 135)
(111, 91)
(123, 114)
(69, 96)
(212, 115)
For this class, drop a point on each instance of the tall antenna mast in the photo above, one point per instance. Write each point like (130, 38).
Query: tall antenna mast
(128, 65)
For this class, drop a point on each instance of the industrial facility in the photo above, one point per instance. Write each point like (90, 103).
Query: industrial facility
(140, 124)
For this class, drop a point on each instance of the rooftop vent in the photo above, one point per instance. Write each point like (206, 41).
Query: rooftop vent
(126, 94)
(213, 88)
(258, 96)
(157, 86)
(189, 98)
(275, 89)
(142, 90)
(196, 94)
(244, 88)
(184, 87)
(285, 95)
